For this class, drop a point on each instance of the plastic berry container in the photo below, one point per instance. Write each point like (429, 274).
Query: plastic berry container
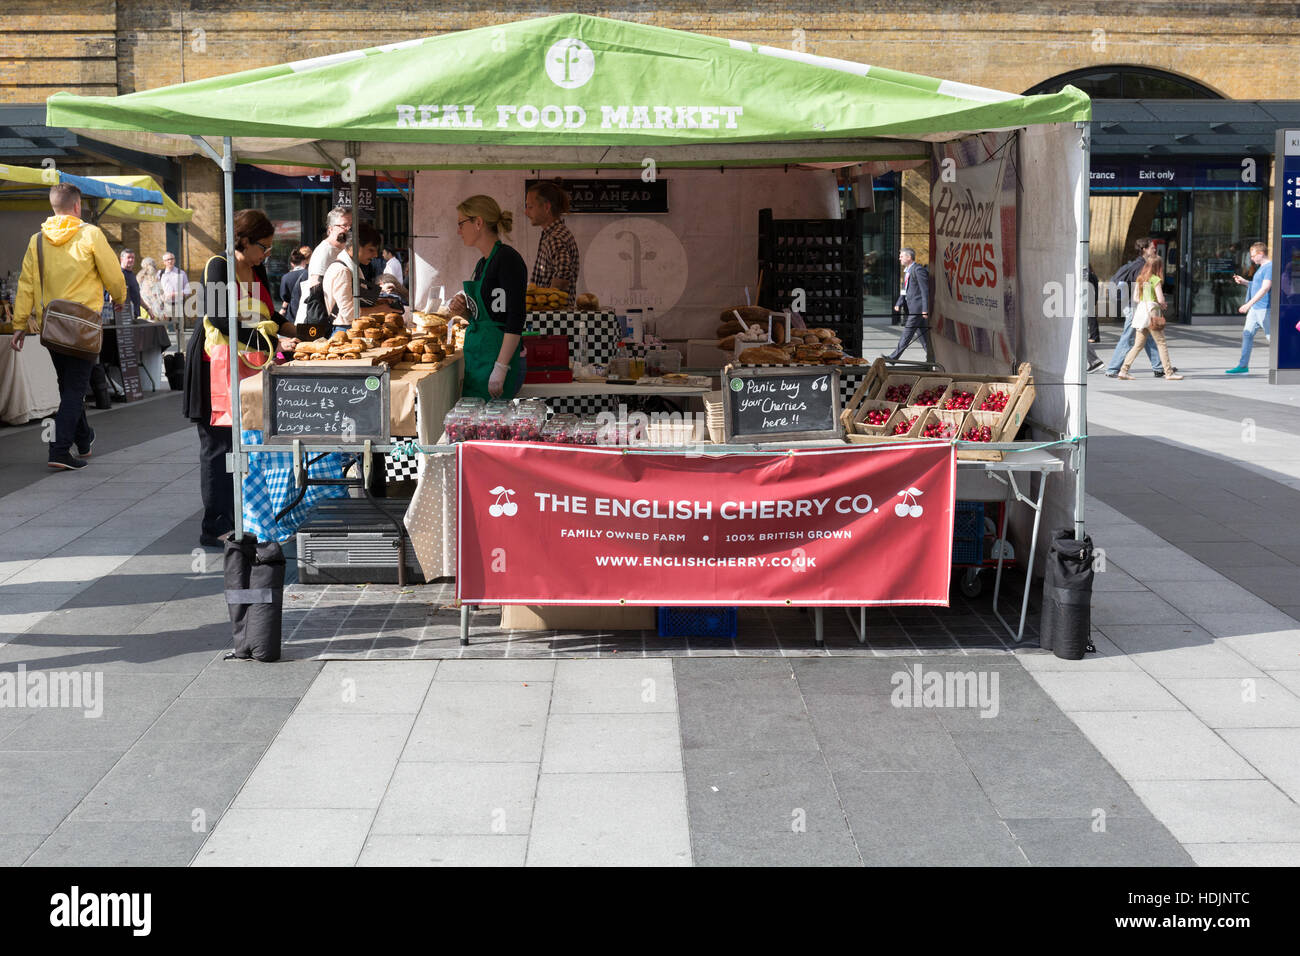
(525, 424)
(559, 429)
(586, 432)
(460, 424)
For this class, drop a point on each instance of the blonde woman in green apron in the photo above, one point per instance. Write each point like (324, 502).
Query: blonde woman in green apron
(493, 301)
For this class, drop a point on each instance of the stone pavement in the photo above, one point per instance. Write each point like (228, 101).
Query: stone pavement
(1174, 745)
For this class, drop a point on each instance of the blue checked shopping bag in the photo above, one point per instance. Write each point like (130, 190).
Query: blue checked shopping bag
(268, 487)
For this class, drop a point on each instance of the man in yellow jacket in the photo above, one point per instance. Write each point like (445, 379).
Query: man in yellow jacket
(79, 265)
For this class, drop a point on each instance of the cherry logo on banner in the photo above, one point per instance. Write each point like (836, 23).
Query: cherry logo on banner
(913, 510)
(503, 505)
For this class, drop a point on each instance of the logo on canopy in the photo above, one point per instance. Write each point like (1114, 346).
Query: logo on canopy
(570, 63)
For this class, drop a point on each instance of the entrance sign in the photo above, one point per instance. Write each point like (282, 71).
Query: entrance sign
(546, 524)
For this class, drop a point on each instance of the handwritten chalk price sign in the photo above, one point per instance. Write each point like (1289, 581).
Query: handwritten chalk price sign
(343, 405)
(781, 404)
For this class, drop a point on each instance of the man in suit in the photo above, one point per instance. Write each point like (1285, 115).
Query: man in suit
(914, 300)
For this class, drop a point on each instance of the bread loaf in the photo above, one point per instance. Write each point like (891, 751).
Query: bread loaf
(763, 355)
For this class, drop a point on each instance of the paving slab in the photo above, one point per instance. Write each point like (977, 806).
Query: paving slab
(526, 671)
(423, 849)
(1109, 658)
(761, 791)
(1162, 745)
(39, 789)
(328, 761)
(221, 720)
(610, 819)
(475, 721)
(1222, 811)
(167, 781)
(15, 848)
(1271, 751)
(1232, 702)
(925, 819)
(1125, 841)
(80, 843)
(1045, 775)
(748, 849)
(370, 687)
(767, 714)
(235, 678)
(612, 743)
(286, 838)
(459, 798)
(1116, 690)
(1165, 651)
(1245, 854)
(613, 687)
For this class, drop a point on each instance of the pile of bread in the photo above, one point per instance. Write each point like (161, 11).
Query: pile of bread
(806, 346)
(548, 299)
(381, 337)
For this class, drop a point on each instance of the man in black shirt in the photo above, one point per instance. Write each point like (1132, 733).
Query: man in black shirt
(291, 282)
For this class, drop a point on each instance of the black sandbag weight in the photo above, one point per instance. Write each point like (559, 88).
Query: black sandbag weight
(254, 573)
(1067, 597)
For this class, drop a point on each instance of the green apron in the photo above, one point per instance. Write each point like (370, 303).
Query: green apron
(483, 343)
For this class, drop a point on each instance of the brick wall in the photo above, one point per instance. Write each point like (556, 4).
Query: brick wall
(103, 47)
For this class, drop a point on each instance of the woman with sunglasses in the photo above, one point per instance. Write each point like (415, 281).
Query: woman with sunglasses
(493, 301)
(258, 330)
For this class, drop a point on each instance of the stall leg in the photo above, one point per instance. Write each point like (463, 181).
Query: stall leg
(464, 625)
(819, 626)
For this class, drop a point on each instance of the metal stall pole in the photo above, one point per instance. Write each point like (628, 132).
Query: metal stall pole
(235, 461)
(232, 307)
(1079, 414)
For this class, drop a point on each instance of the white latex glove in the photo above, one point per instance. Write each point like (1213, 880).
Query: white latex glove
(497, 380)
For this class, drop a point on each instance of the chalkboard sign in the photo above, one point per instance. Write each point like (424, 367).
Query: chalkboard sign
(781, 404)
(128, 348)
(344, 405)
(624, 196)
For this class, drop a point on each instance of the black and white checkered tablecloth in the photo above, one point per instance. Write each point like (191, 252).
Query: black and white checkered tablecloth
(594, 335)
(584, 404)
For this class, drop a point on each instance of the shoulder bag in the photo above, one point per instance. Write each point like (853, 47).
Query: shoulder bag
(68, 327)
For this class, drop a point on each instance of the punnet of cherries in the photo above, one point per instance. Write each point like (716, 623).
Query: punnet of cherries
(960, 401)
(898, 393)
(939, 430)
(877, 416)
(996, 402)
(930, 396)
(979, 433)
(905, 425)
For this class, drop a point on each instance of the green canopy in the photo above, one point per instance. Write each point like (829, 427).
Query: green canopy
(569, 90)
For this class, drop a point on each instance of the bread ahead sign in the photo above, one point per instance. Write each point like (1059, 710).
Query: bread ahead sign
(569, 64)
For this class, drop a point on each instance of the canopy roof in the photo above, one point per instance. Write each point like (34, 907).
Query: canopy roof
(137, 198)
(560, 91)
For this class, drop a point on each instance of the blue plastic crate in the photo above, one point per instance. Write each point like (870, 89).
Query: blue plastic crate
(697, 622)
(968, 533)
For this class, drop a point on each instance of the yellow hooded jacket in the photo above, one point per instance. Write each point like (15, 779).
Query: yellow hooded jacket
(79, 265)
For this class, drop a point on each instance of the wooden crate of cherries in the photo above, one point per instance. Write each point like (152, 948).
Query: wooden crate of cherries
(970, 409)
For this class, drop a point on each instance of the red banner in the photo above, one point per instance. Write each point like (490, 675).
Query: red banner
(551, 524)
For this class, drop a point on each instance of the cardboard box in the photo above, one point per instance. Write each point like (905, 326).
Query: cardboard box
(533, 617)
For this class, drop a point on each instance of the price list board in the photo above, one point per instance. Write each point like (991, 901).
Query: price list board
(344, 405)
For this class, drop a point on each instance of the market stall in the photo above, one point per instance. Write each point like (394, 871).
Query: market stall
(579, 92)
